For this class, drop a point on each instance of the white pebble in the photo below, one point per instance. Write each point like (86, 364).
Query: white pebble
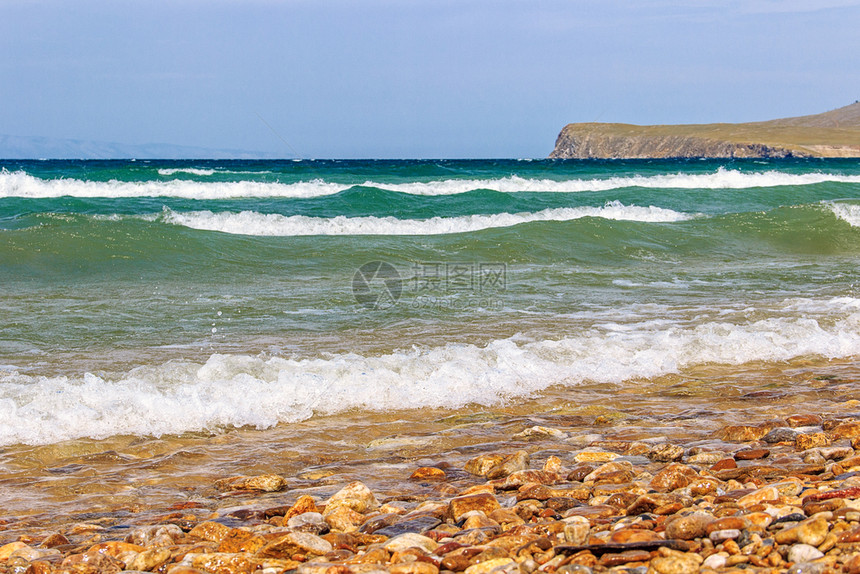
(729, 533)
(803, 553)
(714, 561)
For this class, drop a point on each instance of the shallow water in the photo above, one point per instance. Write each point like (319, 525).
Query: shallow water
(127, 480)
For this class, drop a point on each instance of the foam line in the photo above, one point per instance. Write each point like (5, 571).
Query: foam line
(21, 184)
(271, 224)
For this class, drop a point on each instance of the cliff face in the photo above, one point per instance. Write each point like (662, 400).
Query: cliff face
(590, 143)
(831, 134)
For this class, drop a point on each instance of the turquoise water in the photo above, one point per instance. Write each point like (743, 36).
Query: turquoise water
(138, 294)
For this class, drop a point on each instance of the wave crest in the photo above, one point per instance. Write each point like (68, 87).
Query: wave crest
(272, 224)
(847, 212)
(21, 184)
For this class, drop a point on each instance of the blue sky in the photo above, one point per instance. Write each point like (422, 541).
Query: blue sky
(389, 78)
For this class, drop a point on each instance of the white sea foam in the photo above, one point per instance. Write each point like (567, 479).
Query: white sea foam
(720, 179)
(674, 284)
(21, 184)
(847, 212)
(242, 390)
(188, 170)
(273, 224)
(168, 171)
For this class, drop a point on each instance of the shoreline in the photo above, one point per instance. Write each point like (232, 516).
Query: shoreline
(81, 475)
(660, 467)
(832, 134)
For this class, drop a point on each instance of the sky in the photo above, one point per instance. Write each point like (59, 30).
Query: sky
(412, 78)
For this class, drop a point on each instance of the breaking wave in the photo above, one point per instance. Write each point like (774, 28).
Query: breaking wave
(21, 184)
(272, 224)
(244, 390)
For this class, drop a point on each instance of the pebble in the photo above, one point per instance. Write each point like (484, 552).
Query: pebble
(411, 540)
(852, 565)
(595, 456)
(344, 519)
(803, 420)
(416, 567)
(760, 519)
(742, 433)
(605, 470)
(312, 522)
(793, 517)
(812, 531)
(484, 502)
(149, 536)
(727, 523)
(540, 433)
(428, 473)
(30, 554)
(752, 454)
(715, 561)
(804, 553)
(676, 563)
(780, 434)
(724, 464)
(57, 539)
(706, 457)
(355, 496)
(304, 504)
(666, 453)
(836, 452)
(727, 534)
(149, 560)
(760, 496)
(211, 531)
(417, 524)
(481, 465)
(617, 559)
(846, 430)
(509, 464)
(689, 527)
(496, 564)
(673, 477)
(576, 530)
(305, 543)
(8, 549)
(263, 482)
(552, 464)
(805, 441)
(522, 477)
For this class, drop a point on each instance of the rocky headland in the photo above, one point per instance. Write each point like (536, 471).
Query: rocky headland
(831, 134)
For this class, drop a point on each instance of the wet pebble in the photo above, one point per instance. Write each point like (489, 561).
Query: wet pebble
(781, 434)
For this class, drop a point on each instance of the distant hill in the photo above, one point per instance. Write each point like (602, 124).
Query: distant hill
(831, 134)
(17, 147)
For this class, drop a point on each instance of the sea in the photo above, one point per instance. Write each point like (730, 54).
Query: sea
(164, 324)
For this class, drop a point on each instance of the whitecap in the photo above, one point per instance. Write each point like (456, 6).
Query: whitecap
(21, 184)
(273, 224)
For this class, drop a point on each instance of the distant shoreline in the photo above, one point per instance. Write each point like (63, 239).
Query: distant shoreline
(834, 134)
